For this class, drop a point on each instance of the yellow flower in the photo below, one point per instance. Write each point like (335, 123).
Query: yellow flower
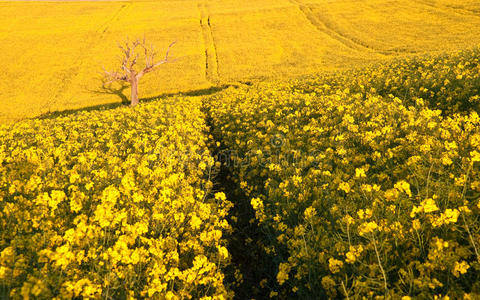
(416, 224)
(446, 160)
(195, 222)
(367, 227)
(220, 196)
(440, 244)
(344, 186)
(223, 252)
(360, 172)
(310, 212)
(3, 272)
(348, 219)
(273, 294)
(460, 268)
(367, 188)
(450, 145)
(334, 265)
(391, 194)
(341, 151)
(297, 180)
(475, 156)
(170, 296)
(429, 205)
(451, 215)
(348, 118)
(353, 254)
(350, 257)
(282, 275)
(403, 186)
(256, 203)
(55, 198)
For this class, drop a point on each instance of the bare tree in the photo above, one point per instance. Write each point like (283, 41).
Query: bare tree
(131, 70)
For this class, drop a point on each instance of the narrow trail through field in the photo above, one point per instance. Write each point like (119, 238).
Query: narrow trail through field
(245, 242)
(211, 58)
(323, 27)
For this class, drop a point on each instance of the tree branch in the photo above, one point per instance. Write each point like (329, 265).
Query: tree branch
(150, 64)
(114, 76)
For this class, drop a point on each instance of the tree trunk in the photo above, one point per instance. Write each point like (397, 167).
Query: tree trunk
(134, 95)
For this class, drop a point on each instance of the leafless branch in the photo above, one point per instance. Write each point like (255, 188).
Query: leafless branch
(150, 63)
(114, 76)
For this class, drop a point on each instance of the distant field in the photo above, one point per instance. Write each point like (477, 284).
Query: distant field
(53, 52)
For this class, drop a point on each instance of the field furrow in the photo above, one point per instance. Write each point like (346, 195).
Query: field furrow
(323, 26)
(449, 9)
(211, 59)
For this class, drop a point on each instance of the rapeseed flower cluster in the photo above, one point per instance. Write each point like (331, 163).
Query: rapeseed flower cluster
(448, 82)
(112, 204)
(373, 169)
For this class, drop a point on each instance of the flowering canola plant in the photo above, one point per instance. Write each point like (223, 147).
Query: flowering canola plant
(364, 192)
(112, 204)
(449, 82)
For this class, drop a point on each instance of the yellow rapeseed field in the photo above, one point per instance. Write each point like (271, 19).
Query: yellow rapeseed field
(293, 149)
(53, 52)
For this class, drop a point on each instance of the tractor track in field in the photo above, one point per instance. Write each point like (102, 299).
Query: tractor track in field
(323, 27)
(106, 26)
(211, 57)
(448, 9)
(351, 43)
